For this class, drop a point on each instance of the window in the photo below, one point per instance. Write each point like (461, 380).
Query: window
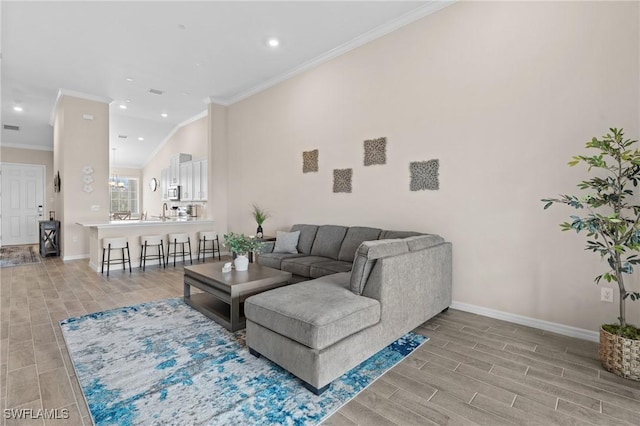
(125, 198)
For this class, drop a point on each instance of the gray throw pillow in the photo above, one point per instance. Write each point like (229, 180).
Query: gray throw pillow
(286, 242)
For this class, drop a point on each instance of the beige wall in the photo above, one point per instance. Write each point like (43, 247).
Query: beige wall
(503, 94)
(189, 139)
(78, 143)
(218, 167)
(33, 156)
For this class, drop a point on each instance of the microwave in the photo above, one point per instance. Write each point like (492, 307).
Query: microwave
(173, 193)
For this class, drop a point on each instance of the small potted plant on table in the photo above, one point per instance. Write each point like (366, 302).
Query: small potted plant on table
(260, 215)
(612, 224)
(241, 245)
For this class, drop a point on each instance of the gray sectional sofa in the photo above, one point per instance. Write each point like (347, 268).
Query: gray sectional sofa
(324, 250)
(364, 289)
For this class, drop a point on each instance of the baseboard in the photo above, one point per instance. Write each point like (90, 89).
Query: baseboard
(75, 257)
(565, 330)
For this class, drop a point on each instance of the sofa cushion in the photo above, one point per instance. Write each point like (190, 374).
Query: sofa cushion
(366, 257)
(355, 236)
(301, 265)
(315, 313)
(286, 242)
(385, 235)
(307, 235)
(422, 242)
(328, 241)
(274, 260)
(327, 268)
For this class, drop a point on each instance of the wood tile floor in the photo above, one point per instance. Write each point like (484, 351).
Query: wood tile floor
(474, 369)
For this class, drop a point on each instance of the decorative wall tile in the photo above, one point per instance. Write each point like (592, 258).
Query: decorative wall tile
(375, 151)
(310, 161)
(424, 175)
(342, 180)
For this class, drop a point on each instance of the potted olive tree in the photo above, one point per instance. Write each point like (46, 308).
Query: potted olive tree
(611, 221)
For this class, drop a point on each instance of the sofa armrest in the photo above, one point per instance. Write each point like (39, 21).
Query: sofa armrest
(267, 247)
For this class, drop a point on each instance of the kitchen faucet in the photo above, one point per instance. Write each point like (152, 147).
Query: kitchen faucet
(164, 208)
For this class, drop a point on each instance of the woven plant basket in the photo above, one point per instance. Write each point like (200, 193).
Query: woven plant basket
(620, 356)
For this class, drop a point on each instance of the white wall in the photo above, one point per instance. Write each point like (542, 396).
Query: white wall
(503, 94)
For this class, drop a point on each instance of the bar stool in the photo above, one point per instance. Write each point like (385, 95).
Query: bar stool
(147, 241)
(205, 237)
(176, 239)
(114, 244)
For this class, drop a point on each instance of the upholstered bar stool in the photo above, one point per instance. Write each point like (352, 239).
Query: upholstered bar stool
(116, 243)
(205, 237)
(147, 241)
(176, 239)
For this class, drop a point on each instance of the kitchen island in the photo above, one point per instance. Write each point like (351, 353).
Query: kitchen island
(133, 229)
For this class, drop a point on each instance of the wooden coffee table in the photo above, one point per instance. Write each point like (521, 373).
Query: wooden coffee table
(224, 293)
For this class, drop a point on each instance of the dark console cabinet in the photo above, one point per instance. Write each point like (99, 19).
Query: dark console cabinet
(49, 238)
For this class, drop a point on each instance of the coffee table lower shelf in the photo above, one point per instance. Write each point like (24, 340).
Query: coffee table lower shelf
(217, 310)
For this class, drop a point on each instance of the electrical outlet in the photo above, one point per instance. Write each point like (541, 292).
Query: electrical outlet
(606, 294)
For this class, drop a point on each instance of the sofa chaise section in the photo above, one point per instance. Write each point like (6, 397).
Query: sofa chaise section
(320, 329)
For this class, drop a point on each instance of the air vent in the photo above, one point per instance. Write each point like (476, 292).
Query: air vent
(11, 127)
(156, 91)
(123, 136)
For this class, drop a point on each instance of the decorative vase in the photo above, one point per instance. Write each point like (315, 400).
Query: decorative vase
(619, 355)
(241, 262)
(259, 233)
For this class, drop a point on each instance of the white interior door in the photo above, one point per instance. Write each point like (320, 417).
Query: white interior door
(22, 199)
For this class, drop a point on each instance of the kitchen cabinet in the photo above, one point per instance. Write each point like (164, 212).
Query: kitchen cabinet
(200, 180)
(174, 167)
(193, 180)
(164, 183)
(186, 181)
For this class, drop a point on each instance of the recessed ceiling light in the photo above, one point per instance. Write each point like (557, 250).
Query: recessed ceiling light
(140, 138)
(123, 106)
(18, 108)
(127, 100)
(164, 114)
(273, 42)
(129, 79)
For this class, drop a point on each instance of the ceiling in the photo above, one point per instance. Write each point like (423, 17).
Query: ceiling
(194, 52)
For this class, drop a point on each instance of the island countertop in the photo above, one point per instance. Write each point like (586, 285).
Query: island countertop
(146, 222)
(132, 230)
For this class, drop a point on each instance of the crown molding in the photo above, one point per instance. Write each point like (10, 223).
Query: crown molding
(382, 30)
(26, 146)
(216, 100)
(74, 94)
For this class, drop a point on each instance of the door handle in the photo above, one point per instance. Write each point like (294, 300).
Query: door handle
(40, 210)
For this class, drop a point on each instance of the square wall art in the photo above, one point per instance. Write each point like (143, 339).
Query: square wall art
(342, 180)
(310, 161)
(375, 151)
(424, 175)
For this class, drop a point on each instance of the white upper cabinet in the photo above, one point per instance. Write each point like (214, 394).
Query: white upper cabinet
(174, 167)
(200, 175)
(186, 181)
(193, 180)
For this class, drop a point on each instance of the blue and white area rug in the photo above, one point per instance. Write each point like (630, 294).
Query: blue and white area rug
(165, 363)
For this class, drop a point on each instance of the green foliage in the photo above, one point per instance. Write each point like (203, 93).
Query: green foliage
(260, 214)
(612, 215)
(241, 244)
(628, 332)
